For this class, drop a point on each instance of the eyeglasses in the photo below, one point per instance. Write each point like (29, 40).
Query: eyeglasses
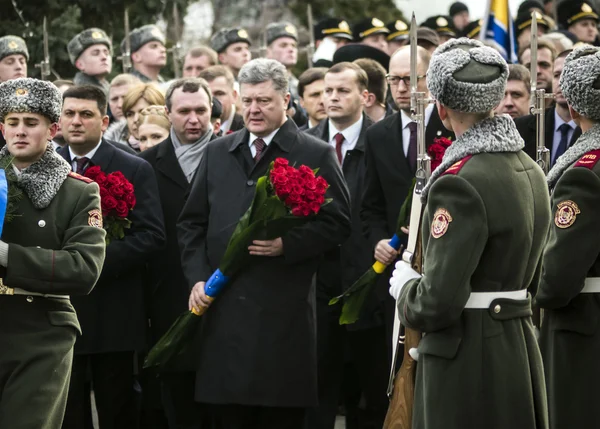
(395, 80)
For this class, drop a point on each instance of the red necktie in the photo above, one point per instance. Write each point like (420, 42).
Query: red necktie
(259, 145)
(82, 164)
(339, 139)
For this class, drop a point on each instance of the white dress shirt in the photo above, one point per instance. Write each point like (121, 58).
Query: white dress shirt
(350, 134)
(406, 119)
(88, 155)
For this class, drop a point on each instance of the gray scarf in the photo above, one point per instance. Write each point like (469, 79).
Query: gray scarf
(590, 140)
(495, 134)
(189, 155)
(42, 179)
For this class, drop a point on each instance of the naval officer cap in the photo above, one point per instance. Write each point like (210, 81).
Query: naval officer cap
(571, 11)
(398, 31)
(277, 30)
(580, 81)
(523, 21)
(228, 36)
(441, 24)
(142, 35)
(11, 45)
(332, 27)
(467, 76)
(27, 95)
(85, 39)
(369, 27)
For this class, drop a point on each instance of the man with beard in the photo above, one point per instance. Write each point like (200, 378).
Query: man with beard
(561, 130)
(91, 53)
(148, 53)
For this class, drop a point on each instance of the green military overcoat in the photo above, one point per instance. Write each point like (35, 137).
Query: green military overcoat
(483, 230)
(570, 338)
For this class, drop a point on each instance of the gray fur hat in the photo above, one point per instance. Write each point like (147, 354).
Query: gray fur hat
(28, 95)
(276, 30)
(11, 45)
(467, 76)
(580, 81)
(228, 36)
(85, 39)
(145, 34)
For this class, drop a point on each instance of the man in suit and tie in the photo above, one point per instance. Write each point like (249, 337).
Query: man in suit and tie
(561, 130)
(257, 360)
(112, 317)
(175, 161)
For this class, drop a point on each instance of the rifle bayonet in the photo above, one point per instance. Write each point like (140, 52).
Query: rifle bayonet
(44, 65)
(125, 57)
(176, 49)
(310, 50)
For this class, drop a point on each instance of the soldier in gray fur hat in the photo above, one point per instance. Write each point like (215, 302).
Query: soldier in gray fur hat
(148, 52)
(91, 52)
(569, 285)
(233, 47)
(52, 247)
(282, 46)
(13, 58)
(485, 193)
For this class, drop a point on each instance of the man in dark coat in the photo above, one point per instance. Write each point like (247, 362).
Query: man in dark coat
(390, 152)
(345, 96)
(189, 107)
(561, 130)
(112, 317)
(569, 285)
(257, 360)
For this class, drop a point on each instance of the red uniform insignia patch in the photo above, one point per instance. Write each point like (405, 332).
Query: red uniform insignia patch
(566, 213)
(440, 223)
(589, 160)
(457, 166)
(80, 177)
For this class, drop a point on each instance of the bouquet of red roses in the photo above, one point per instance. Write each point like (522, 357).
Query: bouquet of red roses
(117, 198)
(356, 294)
(286, 197)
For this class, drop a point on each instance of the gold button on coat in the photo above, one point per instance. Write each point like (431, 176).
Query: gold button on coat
(497, 309)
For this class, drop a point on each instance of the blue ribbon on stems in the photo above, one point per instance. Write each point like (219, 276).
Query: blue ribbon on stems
(3, 198)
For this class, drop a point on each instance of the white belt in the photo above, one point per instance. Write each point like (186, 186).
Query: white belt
(17, 291)
(592, 285)
(482, 300)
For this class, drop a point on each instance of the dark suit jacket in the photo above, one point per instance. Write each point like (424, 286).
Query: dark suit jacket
(526, 125)
(258, 337)
(237, 123)
(113, 317)
(170, 291)
(343, 266)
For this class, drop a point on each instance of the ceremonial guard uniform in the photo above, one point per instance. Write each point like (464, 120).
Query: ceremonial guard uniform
(51, 248)
(570, 337)
(78, 44)
(13, 45)
(137, 39)
(484, 227)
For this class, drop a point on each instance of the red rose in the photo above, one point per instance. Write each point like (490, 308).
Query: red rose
(118, 175)
(293, 199)
(320, 199)
(311, 184)
(310, 195)
(122, 209)
(279, 179)
(322, 184)
(298, 189)
(281, 162)
(130, 200)
(315, 207)
(290, 170)
(93, 172)
(437, 150)
(117, 191)
(101, 180)
(297, 211)
(112, 180)
(108, 203)
(104, 193)
(306, 171)
(128, 187)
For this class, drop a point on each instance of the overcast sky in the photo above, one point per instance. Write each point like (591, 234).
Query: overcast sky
(426, 8)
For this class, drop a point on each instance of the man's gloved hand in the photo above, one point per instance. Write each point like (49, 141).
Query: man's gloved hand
(402, 274)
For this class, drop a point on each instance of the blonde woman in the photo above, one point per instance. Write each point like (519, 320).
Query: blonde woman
(137, 98)
(153, 126)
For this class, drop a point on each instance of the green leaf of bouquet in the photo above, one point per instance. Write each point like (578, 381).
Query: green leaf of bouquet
(354, 301)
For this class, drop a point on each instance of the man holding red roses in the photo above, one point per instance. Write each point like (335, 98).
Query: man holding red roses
(113, 316)
(257, 359)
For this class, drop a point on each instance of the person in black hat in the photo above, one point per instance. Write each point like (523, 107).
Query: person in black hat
(529, 6)
(472, 29)
(398, 36)
(442, 25)
(580, 18)
(354, 51)
(428, 39)
(523, 28)
(233, 47)
(371, 32)
(337, 30)
(459, 12)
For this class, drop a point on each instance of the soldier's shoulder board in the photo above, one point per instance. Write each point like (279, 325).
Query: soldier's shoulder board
(589, 160)
(457, 166)
(80, 177)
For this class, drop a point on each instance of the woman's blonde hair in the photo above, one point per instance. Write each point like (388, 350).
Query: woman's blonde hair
(156, 115)
(148, 91)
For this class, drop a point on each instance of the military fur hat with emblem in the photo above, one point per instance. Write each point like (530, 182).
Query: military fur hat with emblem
(398, 31)
(228, 36)
(580, 81)
(11, 45)
(27, 95)
(368, 27)
(441, 24)
(571, 11)
(467, 76)
(85, 39)
(277, 30)
(145, 34)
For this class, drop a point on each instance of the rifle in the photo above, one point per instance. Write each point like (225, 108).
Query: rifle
(125, 57)
(401, 386)
(310, 49)
(176, 49)
(44, 65)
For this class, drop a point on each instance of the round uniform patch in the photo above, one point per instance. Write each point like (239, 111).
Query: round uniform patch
(566, 213)
(20, 92)
(95, 218)
(440, 223)
(12, 45)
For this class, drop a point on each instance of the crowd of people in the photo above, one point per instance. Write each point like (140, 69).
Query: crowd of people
(82, 301)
